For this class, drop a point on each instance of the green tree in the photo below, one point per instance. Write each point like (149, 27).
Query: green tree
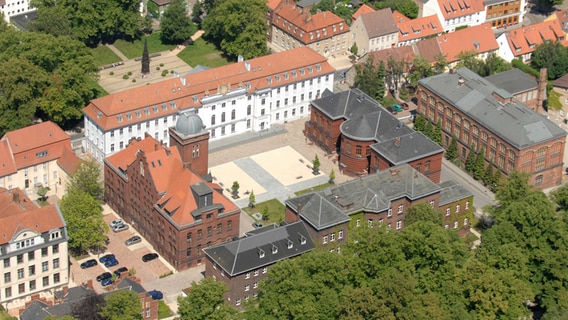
(493, 64)
(235, 187)
(175, 25)
(421, 69)
(489, 176)
(89, 307)
(239, 28)
(252, 199)
(84, 218)
(428, 130)
(547, 5)
(407, 7)
(437, 134)
(366, 78)
(394, 70)
(422, 212)
(419, 122)
(332, 176)
(381, 88)
(479, 168)
(5, 316)
(196, 12)
(452, 152)
(316, 162)
(560, 197)
(441, 64)
(553, 56)
(470, 162)
(205, 301)
(122, 305)
(52, 20)
(552, 99)
(87, 179)
(354, 50)
(468, 59)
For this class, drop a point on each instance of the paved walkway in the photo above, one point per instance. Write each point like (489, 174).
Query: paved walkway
(117, 52)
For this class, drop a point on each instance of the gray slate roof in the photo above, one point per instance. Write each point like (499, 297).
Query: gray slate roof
(367, 120)
(243, 255)
(379, 23)
(514, 122)
(39, 310)
(373, 193)
(514, 81)
(130, 285)
(452, 191)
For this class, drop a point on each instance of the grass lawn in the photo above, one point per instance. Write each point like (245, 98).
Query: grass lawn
(103, 56)
(202, 53)
(163, 310)
(134, 49)
(274, 209)
(99, 91)
(314, 188)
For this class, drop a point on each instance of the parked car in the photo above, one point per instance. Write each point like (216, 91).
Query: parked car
(107, 282)
(404, 106)
(155, 294)
(111, 263)
(120, 270)
(149, 257)
(257, 225)
(106, 257)
(414, 100)
(397, 107)
(120, 228)
(391, 110)
(115, 223)
(103, 276)
(133, 240)
(89, 263)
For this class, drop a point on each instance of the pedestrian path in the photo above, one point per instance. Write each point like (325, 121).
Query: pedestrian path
(117, 52)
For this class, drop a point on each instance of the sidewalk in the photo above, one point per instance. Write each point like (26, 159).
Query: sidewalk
(117, 52)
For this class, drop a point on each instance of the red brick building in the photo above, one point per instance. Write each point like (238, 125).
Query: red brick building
(380, 198)
(162, 193)
(485, 117)
(367, 138)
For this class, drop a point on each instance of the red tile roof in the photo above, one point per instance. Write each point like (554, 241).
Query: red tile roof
(478, 38)
(7, 164)
(35, 144)
(404, 53)
(299, 23)
(458, 8)
(524, 40)
(18, 213)
(253, 74)
(410, 29)
(68, 161)
(429, 49)
(274, 4)
(170, 178)
(362, 10)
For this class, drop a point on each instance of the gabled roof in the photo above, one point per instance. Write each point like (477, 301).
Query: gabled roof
(458, 8)
(525, 40)
(274, 4)
(362, 10)
(128, 284)
(306, 27)
(407, 148)
(372, 193)
(562, 16)
(167, 97)
(18, 213)
(7, 163)
(260, 250)
(429, 49)
(410, 29)
(32, 145)
(478, 38)
(69, 161)
(513, 81)
(379, 23)
(561, 82)
(171, 180)
(513, 122)
(400, 54)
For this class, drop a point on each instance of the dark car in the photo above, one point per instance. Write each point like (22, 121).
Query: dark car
(257, 225)
(111, 263)
(89, 263)
(107, 281)
(133, 240)
(120, 270)
(106, 257)
(103, 276)
(391, 110)
(404, 105)
(149, 257)
(156, 295)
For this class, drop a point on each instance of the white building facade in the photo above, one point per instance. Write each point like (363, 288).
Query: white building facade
(248, 96)
(12, 8)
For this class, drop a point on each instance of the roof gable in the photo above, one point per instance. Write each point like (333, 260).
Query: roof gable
(411, 29)
(479, 39)
(525, 40)
(362, 10)
(379, 23)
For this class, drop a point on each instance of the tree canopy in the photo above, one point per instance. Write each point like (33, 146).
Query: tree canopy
(122, 305)
(205, 301)
(238, 27)
(553, 56)
(43, 76)
(175, 25)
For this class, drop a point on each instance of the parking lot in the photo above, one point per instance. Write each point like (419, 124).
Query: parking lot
(127, 256)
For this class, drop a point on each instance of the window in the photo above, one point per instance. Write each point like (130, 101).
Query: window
(247, 287)
(209, 231)
(238, 302)
(255, 285)
(358, 222)
(332, 237)
(212, 119)
(432, 203)
(265, 270)
(447, 212)
(340, 235)
(223, 117)
(467, 205)
(199, 234)
(389, 213)
(56, 278)
(21, 273)
(45, 281)
(229, 225)
(457, 208)
(56, 263)
(188, 252)
(370, 223)
(398, 224)
(233, 114)
(21, 288)
(325, 239)
(44, 252)
(44, 266)
(247, 275)
(7, 263)
(255, 273)
(7, 277)
(455, 224)
(8, 292)
(55, 248)
(32, 285)
(400, 209)
(465, 221)
(31, 270)
(20, 258)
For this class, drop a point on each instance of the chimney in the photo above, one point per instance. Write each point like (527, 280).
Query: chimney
(461, 81)
(541, 91)
(397, 141)
(16, 196)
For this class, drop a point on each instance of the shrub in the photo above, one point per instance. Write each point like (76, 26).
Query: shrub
(125, 77)
(129, 73)
(161, 64)
(111, 73)
(172, 71)
(164, 73)
(133, 80)
(158, 68)
(169, 273)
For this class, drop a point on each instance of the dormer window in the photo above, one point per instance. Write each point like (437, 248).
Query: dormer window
(173, 104)
(155, 109)
(119, 118)
(285, 75)
(138, 113)
(294, 74)
(290, 244)
(129, 116)
(274, 249)
(302, 71)
(318, 67)
(164, 107)
(277, 77)
(302, 240)
(310, 69)
(269, 80)
(260, 253)
(147, 111)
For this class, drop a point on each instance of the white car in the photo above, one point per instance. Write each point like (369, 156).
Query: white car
(116, 223)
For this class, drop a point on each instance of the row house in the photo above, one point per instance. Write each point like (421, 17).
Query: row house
(521, 43)
(504, 13)
(482, 116)
(413, 30)
(374, 31)
(161, 191)
(366, 138)
(33, 250)
(454, 14)
(324, 32)
(382, 198)
(247, 96)
(479, 39)
(36, 156)
(244, 262)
